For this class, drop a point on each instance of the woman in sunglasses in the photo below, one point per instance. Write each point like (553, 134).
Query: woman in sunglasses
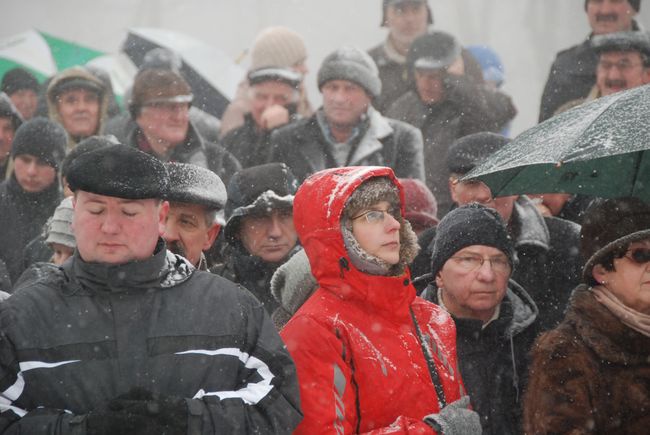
(592, 373)
(370, 355)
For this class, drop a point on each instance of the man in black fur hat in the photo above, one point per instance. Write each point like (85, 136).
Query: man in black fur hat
(128, 338)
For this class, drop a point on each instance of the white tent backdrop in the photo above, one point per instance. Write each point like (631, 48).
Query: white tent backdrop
(526, 33)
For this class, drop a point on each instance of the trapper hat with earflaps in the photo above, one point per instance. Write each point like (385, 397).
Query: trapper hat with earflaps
(351, 64)
(153, 86)
(610, 225)
(258, 190)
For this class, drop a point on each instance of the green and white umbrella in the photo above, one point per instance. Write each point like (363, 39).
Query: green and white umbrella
(42, 53)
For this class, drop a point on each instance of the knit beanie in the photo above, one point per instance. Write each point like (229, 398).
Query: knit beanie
(162, 58)
(277, 47)
(158, 86)
(386, 3)
(352, 64)
(610, 225)
(365, 196)
(636, 4)
(42, 138)
(17, 79)
(472, 224)
(59, 229)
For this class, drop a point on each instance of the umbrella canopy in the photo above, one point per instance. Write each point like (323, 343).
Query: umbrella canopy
(42, 54)
(212, 75)
(598, 148)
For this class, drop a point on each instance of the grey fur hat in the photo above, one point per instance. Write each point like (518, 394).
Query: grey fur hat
(635, 40)
(352, 64)
(367, 194)
(59, 229)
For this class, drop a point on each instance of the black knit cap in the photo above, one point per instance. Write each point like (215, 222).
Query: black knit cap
(120, 171)
(258, 189)
(465, 153)
(472, 224)
(193, 184)
(611, 225)
(636, 4)
(42, 138)
(17, 79)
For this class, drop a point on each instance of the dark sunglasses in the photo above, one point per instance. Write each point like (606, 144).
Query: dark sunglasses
(639, 255)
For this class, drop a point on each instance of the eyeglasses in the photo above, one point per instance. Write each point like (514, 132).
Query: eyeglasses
(638, 255)
(622, 66)
(470, 263)
(378, 216)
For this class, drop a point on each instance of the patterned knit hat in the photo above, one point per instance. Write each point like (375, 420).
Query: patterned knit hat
(277, 47)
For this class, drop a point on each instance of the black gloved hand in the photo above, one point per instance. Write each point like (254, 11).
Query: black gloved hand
(140, 412)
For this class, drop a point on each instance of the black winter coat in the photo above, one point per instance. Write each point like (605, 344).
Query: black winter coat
(303, 147)
(468, 108)
(22, 216)
(248, 146)
(494, 360)
(86, 333)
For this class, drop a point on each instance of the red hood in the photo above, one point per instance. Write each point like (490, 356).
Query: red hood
(317, 210)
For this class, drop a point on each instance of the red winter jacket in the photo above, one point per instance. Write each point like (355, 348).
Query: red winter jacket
(360, 364)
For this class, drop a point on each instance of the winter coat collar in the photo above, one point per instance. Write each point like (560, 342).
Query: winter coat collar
(605, 334)
(317, 216)
(161, 270)
(528, 225)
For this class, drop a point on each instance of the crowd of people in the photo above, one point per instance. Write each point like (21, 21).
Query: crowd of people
(284, 268)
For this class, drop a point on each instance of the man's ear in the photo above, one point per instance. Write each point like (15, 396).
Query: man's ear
(163, 211)
(452, 183)
(440, 283)
(213, 232)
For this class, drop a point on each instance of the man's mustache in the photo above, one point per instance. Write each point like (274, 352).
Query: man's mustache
(177, 248)
(616, 83)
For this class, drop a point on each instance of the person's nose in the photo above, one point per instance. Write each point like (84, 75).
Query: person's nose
(485, 271)
(275, 227)
(111, 223)
(390, 223)
(31, 168)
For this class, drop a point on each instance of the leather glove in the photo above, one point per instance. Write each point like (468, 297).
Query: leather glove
(455, 419)
(140, 412)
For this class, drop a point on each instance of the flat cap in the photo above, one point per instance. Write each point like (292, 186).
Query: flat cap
(120, 171)
(195, 185)
(465, 153)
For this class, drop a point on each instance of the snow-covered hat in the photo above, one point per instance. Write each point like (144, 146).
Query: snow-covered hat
(258, 190)
(193, 184)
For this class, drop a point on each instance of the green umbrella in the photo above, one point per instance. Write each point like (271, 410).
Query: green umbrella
(598, 148)
(42, 54)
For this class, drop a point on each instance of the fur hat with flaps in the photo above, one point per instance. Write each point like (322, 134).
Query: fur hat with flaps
(368, 194)
(610, 225)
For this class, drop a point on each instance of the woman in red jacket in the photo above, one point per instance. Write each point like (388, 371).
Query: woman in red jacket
(370, 355)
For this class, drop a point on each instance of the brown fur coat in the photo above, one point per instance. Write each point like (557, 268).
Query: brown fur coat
(590, 375)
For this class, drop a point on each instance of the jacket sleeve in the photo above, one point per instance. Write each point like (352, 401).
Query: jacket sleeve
(481, 108)
(557, 399)
(328, 391)
(268, 398)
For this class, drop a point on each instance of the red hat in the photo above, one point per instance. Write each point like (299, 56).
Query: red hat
(421, 207)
